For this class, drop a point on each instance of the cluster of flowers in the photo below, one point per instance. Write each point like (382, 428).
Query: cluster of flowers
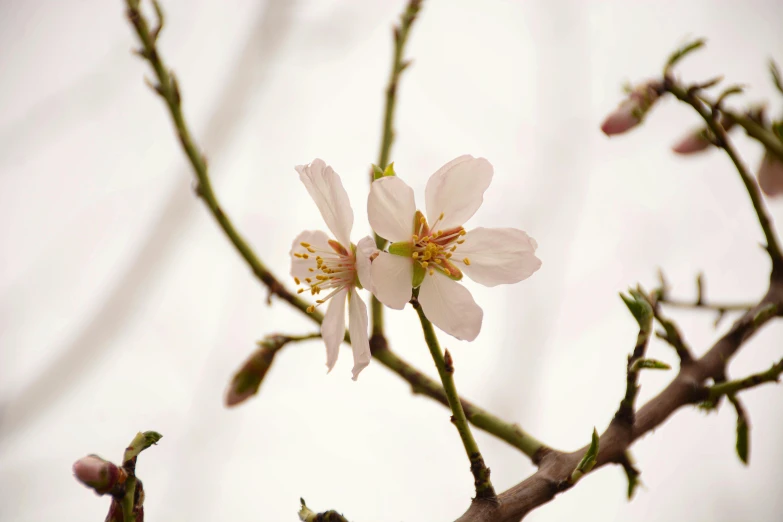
(427, 252)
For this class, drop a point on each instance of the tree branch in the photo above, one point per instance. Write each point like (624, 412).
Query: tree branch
(686, 388)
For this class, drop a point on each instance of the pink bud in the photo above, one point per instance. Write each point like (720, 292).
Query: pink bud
(622, 119)
(770, 174)
(99, 474)
(632, 110)
(693, 142)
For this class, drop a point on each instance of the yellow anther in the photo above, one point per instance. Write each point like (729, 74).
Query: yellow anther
(310, 309)
(320, 301)
(321, 277)
(306, 256)
(460, 241)
(422, 220)
(415, 238)
(306, 245)
(438, 261)
(432, 272)
(311, 269)
(424, 264)
(441, 216)
(297, 254)
(300, 290)
(415, 255)
(452, 249)
(438, 233)
(448, 255)
(311, 250)
(462, 232)
(297, 281)
(308, 280)
(466, 261)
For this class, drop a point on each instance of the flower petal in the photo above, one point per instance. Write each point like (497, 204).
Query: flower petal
(450, 307)
(364, 251)
(391, 208)
(358, 325)
(326, 189)
(457, 191)
(770, 175)
(299, 265)
(391, 279)
(333, 327)
(497, 256)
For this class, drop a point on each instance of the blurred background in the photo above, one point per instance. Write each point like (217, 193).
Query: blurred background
(124, 308)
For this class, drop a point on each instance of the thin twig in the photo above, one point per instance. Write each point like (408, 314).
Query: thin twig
(732, 387)
(445, 366)
(722, 140)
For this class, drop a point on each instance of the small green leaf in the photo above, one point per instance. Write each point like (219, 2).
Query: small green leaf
(389, 171)
(742, 439)
(377, 173)
(683, 51)
(639, 307)
(649, 364)
(588, 461)
(141, 442)
(401, 248)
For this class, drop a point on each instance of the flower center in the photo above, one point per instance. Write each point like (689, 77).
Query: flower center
(431, 249)
(333, 270)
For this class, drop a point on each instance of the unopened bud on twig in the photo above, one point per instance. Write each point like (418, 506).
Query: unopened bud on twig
(101, 475)
(248, 379)
(632, 110)
(699, 140)
(770, 175)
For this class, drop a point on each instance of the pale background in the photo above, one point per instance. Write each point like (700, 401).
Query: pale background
(124, 308)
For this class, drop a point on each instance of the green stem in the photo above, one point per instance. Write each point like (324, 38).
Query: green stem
(757, 131)
(508, 432)
(127, 503)
(401, 32)
(484, 489)
(708, 115)
(732, 387)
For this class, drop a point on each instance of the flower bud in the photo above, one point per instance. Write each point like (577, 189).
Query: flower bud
(693, 142)
(770, 174)
(248, 379)
(101, 475)
(632, 110)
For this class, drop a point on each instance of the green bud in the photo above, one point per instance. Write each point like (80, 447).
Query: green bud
(401, 248)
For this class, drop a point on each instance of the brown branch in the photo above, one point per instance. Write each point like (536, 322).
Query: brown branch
(687, 388)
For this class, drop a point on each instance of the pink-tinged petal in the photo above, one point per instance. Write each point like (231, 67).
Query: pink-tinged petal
(333, 327)
(770, 175)
(456, 190)
(450, 306)
(299, 265)
(358, 326)
(497, 256)
(392, 277)
(391, 208)
(326, 189)
(365, 250)
(691, 143)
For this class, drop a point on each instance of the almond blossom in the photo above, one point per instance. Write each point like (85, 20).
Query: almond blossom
(432, 252)
(335, 268)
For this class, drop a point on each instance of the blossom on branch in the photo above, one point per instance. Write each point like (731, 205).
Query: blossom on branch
(335, 268)
(431, 253)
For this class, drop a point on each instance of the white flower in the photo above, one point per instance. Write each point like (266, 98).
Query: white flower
(334, 267)
(434, 256)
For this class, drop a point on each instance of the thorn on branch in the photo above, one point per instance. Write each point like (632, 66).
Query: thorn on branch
(448, 361)
(588, 461)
